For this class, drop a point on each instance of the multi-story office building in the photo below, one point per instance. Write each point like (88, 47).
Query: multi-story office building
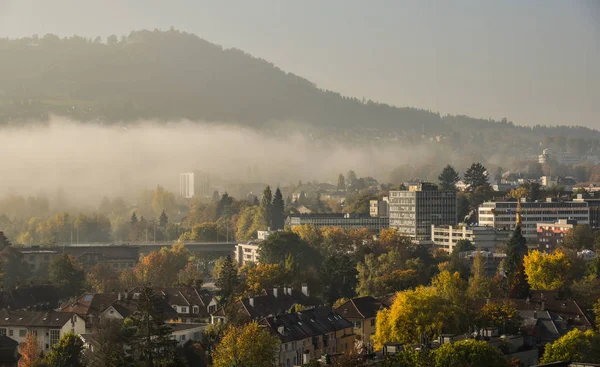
(550, 235)
(502, 215)
(344, 221)
(413, 211)
(379, 208)
(483, 238)
(194, 184)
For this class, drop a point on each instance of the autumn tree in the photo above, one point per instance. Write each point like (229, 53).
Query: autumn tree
(448, 178)
(580, 237)
(67, 352)
(65, 272)
(246, 345)
(30, 351)
(103, 278)
(263, 276)
(502, 315)
(109, 351)
(190, 276)
(277, 246)
(469, 353)
(480, 286)
(247, 226)
(575, 346)
(424, 312)
(546, 272)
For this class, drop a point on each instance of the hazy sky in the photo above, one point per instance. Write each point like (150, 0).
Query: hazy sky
(529, 61)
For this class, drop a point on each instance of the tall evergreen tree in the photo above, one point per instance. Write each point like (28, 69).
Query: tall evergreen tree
(163, 220)
(476, 176)
(341, 184)
(227, 278)
(224, 206)
(448, 178)
(134, 219)
(152, 344)
(265, 207)
(516, 248)
(278, 211)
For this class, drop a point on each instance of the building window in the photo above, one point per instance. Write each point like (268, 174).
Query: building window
(46, 257)
(10, 332)
(184, 309)
(22, 333)
(2, 331)
(357, 324)
(196, 309)
(197, 335)
(182, 337)
(54, 336)
(373, 322)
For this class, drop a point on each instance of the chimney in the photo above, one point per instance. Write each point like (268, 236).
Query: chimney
(305, 289)
(251, 301)
(119, 296)
(275, 292)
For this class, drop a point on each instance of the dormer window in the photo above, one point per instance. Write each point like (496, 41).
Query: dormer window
(196, 309)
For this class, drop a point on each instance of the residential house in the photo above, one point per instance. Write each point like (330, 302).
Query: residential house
(276, 301)
(185, 332)
(48, 326)
(310, 334)
(89, 306)
(191, 303)
(362, 313)
(127, 304)
(9, 352)
(546, 317)
(245, 253)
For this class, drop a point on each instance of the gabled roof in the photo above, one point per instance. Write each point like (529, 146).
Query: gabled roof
(89, 303)
(34, 318)
(360, 308)
(305, 324)
(128, 305)
(8, 349)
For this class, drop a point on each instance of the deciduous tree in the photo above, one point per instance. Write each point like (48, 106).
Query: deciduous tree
(546, 272)
(247, 345)
(67, 352)
(103, 278)
(469, 353)
(575, 346)
(65, 272)
(30, 351)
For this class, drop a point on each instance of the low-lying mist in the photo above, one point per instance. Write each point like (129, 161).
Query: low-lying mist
(89, 161)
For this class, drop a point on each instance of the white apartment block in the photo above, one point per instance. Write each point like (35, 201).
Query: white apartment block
(502, 215)
(483, 238)
(246, 252)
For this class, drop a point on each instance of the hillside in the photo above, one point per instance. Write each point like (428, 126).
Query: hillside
(173, 75)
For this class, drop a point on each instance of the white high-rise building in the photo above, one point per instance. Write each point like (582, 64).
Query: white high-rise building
(186, 185)
(194, 184)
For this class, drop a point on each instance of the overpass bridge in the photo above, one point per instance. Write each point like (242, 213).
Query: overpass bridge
(147, 246)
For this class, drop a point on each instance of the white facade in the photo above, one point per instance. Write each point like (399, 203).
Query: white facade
(246, 252)
(483, 238)
(379, 208)
(48, 333)
(186, 185)
(184, 332)
(502, 215)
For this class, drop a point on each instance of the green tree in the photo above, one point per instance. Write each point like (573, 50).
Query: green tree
(476, 177)
(246, 345)
(351, 179)
(516, 248)
(266, 209)
(225, 206)
(469, 353)
(580, 237)
(163, 220)
(480, 286)
(65, 272)
(227, 278)
(110, 337)
(278, 211)
(502, 315)
(277, 246)
(575, 346)
(448, 178)
(103, 278)
(67, 352)
(151, 344)
(13, 268)
(341, 183)
(338, 278)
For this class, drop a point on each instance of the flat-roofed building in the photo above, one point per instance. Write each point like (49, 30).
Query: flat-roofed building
(414, 211)
(550, 235)
(483, 238)
(502, 214)
(344, 221)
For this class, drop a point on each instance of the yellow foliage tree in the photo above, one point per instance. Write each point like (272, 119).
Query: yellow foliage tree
(263, 276)
(246, 345)
(546, 272)
(30, 351)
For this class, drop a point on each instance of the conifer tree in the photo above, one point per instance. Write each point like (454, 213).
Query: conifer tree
(278, 211)
(448, 178)
(341, 184)
(134, 219)
(163, 220)
(227, 278)
(476, 177)
(516, 248)
(265, 207)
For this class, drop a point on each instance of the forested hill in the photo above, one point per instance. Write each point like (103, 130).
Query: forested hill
(174, 75)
